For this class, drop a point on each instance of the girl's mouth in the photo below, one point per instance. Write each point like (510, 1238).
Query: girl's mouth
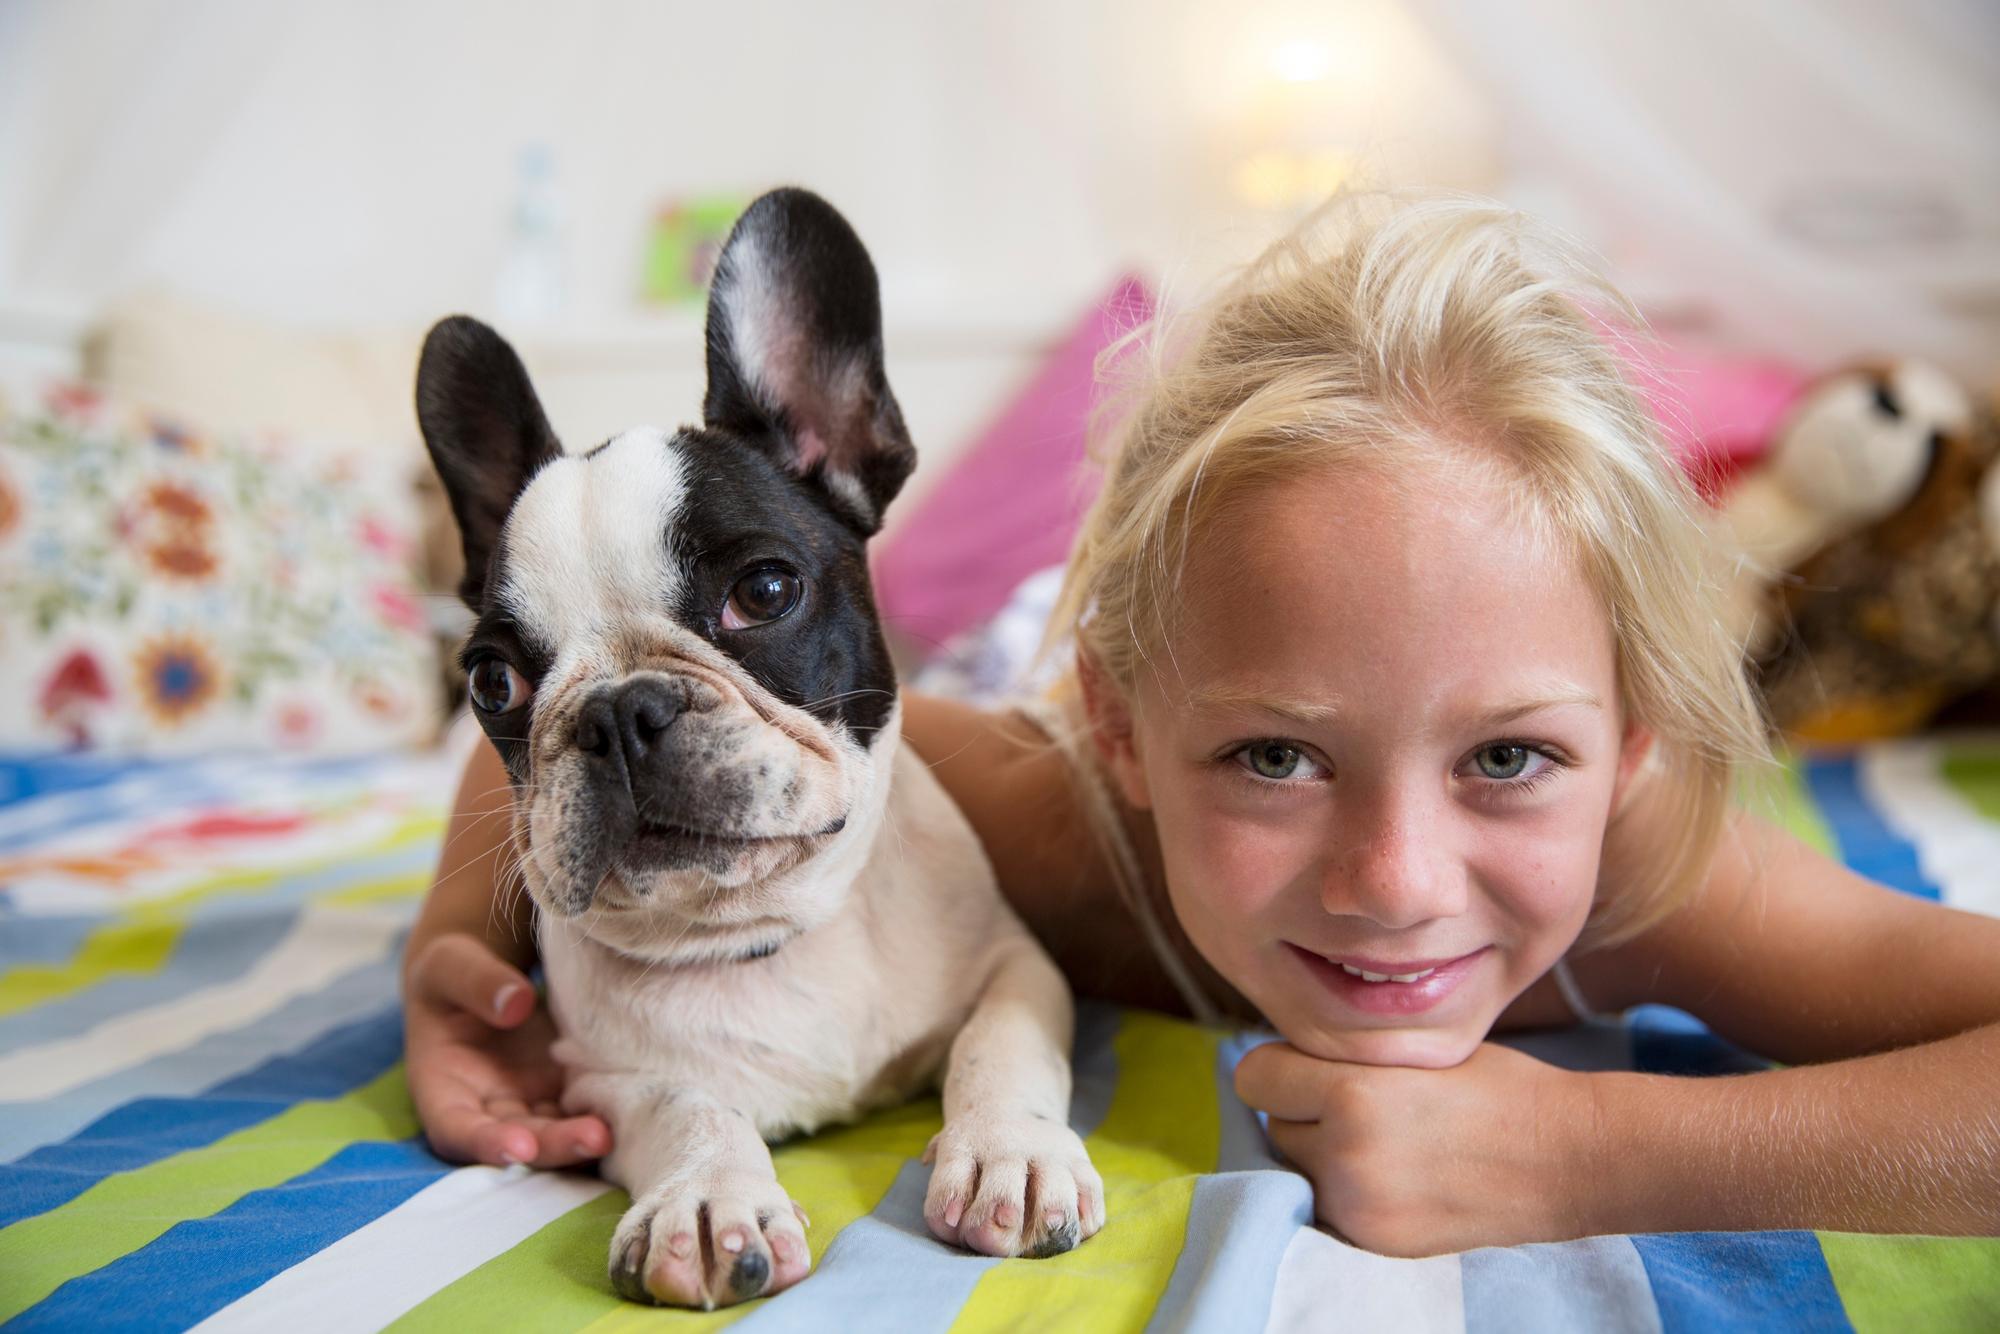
(1388, 986)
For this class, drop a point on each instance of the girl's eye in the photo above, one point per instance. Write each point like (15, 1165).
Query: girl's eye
(1511, 762)
(1278, 761)
(1502, 762)
(760, 597)
(497, 688)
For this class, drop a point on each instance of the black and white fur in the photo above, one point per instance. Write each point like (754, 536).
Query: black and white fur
(759, 912)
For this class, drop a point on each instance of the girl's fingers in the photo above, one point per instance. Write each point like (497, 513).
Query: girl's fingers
(1292, 1139)
(465, 1132)
(1283, 1082)
(501, 1143)
(567, 1141)
(460, 971)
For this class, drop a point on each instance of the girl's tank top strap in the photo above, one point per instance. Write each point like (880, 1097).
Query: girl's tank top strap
(1572, 994)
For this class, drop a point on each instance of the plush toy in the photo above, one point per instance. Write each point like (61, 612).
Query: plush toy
(1879, 506)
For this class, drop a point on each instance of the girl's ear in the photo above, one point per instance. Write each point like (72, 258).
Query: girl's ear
(1633, 751)
(1112, 731)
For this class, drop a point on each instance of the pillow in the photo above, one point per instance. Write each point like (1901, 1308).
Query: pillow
(196, 362)
(168, 591)
(1012, 503)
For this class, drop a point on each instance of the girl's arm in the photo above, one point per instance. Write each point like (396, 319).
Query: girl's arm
(475, 1041)
(472, 865)
(1785, 952)
(1019, 795)
(1888, 1006)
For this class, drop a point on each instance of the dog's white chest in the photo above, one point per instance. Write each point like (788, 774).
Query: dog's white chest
(853, 1014)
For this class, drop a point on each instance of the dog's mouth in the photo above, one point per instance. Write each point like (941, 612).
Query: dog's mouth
(657, 845)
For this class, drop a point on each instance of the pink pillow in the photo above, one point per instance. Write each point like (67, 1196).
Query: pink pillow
(1011, 504)
(1718, 415)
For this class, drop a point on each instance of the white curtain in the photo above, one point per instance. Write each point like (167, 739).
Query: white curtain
(106, 110)
(1815, 179)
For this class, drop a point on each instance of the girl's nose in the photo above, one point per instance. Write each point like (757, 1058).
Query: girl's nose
(1393, 865)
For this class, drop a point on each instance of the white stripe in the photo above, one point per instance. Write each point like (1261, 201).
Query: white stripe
(324, 943)
(1327, 1284)
(382, 1270)
(1958, 848)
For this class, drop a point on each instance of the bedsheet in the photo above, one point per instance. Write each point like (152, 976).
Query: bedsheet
(204, 1123)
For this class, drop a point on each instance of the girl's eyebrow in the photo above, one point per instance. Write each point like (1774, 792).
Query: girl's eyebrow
(1556, 698)
(1307, 712)
(1216, 698)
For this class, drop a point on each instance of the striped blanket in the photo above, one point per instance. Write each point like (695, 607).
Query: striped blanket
(203, 1119)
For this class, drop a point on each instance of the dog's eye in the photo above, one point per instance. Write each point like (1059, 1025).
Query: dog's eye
(760, 597)
(497, 688)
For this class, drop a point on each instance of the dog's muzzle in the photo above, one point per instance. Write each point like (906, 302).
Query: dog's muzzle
(667, 786)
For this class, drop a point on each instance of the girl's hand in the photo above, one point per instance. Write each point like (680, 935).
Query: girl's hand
(1410, 1162)
(476, 1045)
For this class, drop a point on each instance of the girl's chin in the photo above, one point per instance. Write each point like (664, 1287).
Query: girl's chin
(1422, 1048)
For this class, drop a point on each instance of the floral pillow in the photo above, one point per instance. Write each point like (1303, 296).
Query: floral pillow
(164, 591)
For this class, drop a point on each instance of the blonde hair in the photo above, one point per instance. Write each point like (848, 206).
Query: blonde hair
(1383, 333)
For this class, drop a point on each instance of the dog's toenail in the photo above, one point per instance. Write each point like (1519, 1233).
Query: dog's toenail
(953, 1212)
(749, 1274)
(732, 1242)
(1055, 1241)
(682, 1245)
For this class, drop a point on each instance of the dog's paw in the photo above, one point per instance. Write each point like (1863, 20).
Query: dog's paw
(1012, 1186)
(688, 1247)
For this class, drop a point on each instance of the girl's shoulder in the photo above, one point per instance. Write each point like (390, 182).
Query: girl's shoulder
(1790, 954)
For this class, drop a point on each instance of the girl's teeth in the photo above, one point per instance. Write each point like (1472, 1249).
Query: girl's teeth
(1387, 977)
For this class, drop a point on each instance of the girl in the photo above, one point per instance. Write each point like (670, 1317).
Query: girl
(1401, 714)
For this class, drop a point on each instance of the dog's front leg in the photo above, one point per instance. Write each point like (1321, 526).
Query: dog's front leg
(709, 1224)
(1008, 1176)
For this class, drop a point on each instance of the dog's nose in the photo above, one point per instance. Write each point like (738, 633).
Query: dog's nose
(628, 722)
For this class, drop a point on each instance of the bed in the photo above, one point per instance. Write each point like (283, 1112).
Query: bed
(203, 1119)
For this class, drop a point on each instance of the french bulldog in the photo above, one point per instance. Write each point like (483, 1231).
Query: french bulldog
(758, 912)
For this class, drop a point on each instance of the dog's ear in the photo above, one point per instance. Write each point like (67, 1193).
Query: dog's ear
(486, 433)
(795, 353)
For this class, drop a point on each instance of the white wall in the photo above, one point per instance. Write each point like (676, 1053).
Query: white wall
(352, 163)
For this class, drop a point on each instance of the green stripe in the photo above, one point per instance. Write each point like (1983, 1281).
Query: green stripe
(391, 890)
(124, 1212)
(144, 937)
(1893, 1284)
(553, 1280)
(1974, 771)
(1778, 794)
(1161, 1132)
(838, 1175)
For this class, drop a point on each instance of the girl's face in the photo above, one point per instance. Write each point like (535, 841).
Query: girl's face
(1381, 757)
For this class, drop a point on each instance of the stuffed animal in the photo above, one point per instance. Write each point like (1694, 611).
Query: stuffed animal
(1853, 450)
(1880, 504)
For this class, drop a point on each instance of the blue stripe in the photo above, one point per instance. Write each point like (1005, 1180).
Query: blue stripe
(1718, 1282)
(1570, 1287)
(1238, 1227)
(1867, 844)
(886, 1264)
(928, 1282)
(26, 776)
(1239, 1222)
(48, 940)
(225, 937)
(50, 801)
(1666, 1041)
(150, 1129)
(1596, 1044)
(218, 1057)
(197, 1267)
